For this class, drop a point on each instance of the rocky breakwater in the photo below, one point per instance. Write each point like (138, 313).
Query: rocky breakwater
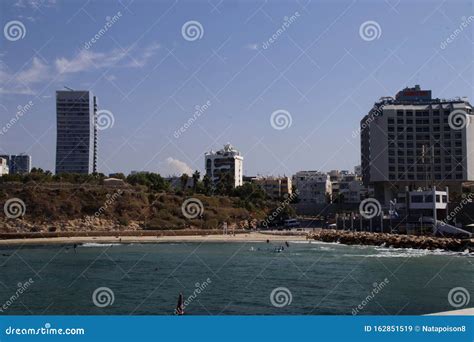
(393, 240)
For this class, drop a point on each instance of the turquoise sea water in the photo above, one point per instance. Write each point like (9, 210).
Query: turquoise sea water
(233, 278)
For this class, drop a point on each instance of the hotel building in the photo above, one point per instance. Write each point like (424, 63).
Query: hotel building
(76, 146)
(225, 161)
(411, 142)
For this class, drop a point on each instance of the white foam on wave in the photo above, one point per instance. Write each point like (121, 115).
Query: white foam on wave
(95, 244)
(390, 252)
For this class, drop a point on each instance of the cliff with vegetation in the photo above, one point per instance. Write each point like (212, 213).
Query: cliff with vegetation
(143, 201)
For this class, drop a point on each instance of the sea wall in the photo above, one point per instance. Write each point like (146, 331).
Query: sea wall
(392, 240)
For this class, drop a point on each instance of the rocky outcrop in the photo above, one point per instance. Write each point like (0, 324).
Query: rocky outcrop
(392, 240)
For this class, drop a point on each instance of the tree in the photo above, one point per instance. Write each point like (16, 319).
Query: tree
(184, 181)
(196, 176)
(206, 180)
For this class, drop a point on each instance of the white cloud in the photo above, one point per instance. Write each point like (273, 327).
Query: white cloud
(35, 3)
(252, 46)
(38, 71)
(88, 59)
(21, 82)
(176, 167)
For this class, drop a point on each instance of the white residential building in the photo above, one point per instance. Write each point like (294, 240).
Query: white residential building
(348, 189)
(3, 167)
(225, 161)
(312, 186)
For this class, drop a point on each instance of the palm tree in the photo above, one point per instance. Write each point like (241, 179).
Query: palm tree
(184, 181)
(196, 176)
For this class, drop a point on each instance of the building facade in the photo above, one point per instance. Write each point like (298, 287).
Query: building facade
(348, 188)
(275, 187)
(226, 161)
(313, 187)
(20, 163)
(76, 146)
(412, 141)
(4, 170)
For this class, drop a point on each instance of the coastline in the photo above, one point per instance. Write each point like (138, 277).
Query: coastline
(242, 237)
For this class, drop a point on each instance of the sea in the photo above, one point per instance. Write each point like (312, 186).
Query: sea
(252, 278)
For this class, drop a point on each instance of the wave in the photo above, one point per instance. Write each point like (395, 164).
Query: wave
(390, 252)
(95, 244)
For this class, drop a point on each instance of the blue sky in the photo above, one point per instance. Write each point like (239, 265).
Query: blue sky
(319, 69)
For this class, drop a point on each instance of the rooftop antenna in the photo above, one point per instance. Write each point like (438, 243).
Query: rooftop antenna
(69, 88)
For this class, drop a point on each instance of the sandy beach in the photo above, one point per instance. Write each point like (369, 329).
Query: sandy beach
(250, 237)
